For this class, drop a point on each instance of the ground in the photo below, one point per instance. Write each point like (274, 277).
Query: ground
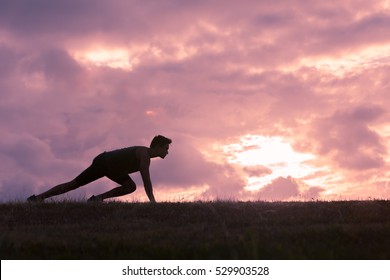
(196, 230)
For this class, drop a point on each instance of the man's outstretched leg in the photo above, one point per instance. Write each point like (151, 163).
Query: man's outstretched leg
(59, 189)
(126, 188)
(95, 171)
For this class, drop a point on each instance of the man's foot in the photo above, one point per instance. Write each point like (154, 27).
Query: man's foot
(95, 199)
(34, 198)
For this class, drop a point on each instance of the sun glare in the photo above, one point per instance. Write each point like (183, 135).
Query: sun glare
(114, 58)
(273, 153)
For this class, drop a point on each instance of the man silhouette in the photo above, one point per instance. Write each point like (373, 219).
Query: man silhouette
(116, 165)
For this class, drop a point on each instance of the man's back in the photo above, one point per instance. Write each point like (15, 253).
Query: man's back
(123, 161)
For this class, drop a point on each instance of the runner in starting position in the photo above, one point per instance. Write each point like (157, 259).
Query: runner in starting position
(116, 165)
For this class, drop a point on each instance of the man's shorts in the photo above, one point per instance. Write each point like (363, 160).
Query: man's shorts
(97, 170)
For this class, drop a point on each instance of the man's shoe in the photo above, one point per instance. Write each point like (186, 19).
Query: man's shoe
(95, 199)
(34, 198)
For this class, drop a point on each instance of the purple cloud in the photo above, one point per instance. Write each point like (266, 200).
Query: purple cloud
(200, 72)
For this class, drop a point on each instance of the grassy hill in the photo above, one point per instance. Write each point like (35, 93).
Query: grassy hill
(200, 230)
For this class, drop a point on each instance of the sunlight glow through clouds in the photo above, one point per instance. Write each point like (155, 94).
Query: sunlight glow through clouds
(353, 62)
(386, 4)
(114, 58)
(273, 153)
(124, 59)
(166, 49)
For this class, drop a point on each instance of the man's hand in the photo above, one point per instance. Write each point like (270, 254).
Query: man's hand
(144, 169)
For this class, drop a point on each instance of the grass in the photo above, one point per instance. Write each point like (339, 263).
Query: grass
(197, 230)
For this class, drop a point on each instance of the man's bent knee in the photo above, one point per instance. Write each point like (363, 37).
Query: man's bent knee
(130, 186)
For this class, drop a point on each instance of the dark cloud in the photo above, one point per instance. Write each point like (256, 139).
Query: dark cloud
(279, 189)
(288, 188)
(54, 64)
(347, 139)
(50, 17)
(8, 57)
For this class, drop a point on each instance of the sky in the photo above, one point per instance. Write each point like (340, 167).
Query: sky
(269, 100)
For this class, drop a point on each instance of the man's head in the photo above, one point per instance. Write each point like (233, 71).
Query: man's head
(160, 145)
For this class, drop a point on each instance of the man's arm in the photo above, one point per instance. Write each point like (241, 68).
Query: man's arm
(145, 174)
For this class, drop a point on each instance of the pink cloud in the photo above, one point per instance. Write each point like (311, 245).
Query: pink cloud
(280, 189)
(208, 72)
(348, 140)
(286, 189)
(257, 171)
